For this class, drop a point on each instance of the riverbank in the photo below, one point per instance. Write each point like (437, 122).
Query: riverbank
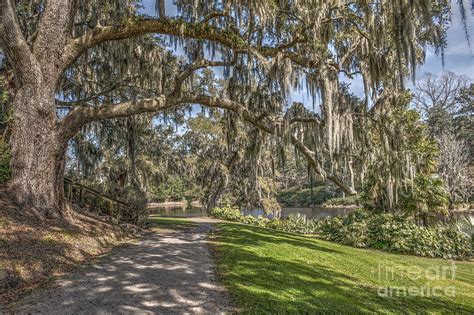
(268, 271)
(173, 204)
(319, 196)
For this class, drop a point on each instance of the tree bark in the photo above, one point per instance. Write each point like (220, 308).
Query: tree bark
(37, 145)
(37, 153)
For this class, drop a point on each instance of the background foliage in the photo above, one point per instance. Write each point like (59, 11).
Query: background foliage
(390, 231)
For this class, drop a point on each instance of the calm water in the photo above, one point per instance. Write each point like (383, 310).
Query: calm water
(308, 213)
(174, 211)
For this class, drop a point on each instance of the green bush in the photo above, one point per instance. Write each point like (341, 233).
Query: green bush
(294, 224)
(270, 205)
(343, 201)
(396, 233)
(226, 213)
(390, 232)
(137, 213)
(425, 195)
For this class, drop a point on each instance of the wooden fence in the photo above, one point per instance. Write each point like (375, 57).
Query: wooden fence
(86, 196)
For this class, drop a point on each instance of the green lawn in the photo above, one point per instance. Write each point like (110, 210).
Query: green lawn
(169, 222)
(268, 271)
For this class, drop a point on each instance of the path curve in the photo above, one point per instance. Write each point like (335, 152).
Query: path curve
(170, 273)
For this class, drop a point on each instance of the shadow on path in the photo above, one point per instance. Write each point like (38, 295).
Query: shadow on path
(162, 273)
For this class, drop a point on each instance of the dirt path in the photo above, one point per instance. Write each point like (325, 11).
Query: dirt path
(170, 273)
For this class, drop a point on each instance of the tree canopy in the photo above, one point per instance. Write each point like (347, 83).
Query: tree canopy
(98, 60)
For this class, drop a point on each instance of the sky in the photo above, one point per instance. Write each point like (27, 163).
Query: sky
(459, 57)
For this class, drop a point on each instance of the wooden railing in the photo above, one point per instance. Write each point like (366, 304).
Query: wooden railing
(95, 200)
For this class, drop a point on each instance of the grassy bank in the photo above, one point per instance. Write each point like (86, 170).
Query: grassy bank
(269, 271)
(160, 224)
(33, 252)
(319, 195)
(304, 197)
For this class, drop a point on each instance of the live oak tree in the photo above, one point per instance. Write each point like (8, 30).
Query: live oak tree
(100, 60)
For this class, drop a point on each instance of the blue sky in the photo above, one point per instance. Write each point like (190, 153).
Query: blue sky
(459, 57)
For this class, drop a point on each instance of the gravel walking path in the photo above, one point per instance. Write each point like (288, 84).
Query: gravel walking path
(165, 273)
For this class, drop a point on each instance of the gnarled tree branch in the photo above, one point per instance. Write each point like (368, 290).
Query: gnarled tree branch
(82, 115)
(199, 64)
(178, 27)
(310, 120)
(78, 117)
(15, 46)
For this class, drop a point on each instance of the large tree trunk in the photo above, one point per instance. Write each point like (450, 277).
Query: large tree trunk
(37, 152)
(37, 147)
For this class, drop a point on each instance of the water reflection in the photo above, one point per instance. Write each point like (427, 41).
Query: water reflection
(177, 211)
(307, 213)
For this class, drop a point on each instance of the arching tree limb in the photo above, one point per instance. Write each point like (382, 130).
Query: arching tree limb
(80, 116)
(199, 64)
(178, 27)
(15, 46)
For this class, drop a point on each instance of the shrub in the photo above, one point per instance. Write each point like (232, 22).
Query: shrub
(270, 205)
(293, 224)
(390, 232)
(226, 213)
(426, 194)
(397, 233)
(297, 224)
(343, 201)
(137, 212)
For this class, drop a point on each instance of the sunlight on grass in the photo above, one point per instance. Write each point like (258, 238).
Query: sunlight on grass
(274, 272)
(155, 222)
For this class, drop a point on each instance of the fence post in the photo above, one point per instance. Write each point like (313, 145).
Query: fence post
(70, 191)
(89, 196)
(111, 208)
(80, 196)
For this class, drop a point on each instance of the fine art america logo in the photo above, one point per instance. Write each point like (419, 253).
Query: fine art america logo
(433, 281)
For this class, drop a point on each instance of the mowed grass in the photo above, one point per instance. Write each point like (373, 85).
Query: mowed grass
(268, 271)
(170, 223)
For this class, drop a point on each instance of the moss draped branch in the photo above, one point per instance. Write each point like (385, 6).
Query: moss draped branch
(82, 115)
(228, 37)
(198, 64)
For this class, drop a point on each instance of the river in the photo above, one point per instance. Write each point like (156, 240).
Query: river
(308, 213)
